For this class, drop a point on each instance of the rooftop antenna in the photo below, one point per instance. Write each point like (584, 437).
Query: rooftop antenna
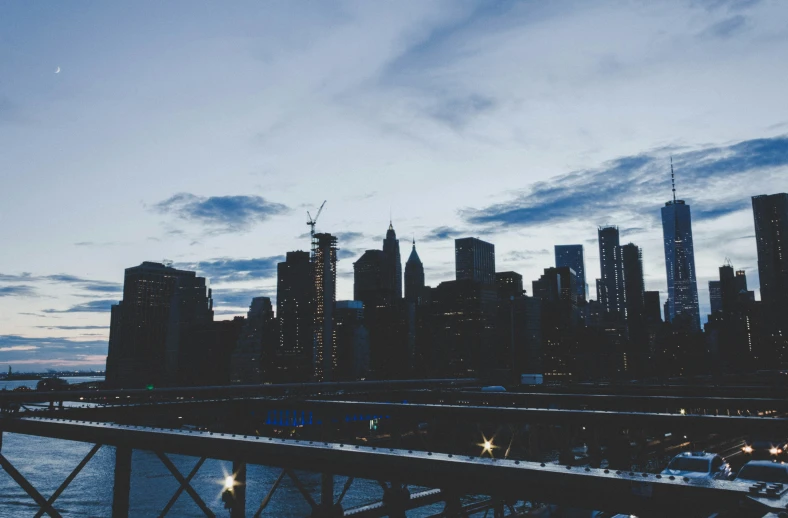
(673, 179)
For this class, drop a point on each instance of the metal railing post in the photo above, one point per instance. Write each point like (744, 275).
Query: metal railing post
(122, 485)
(239, 507)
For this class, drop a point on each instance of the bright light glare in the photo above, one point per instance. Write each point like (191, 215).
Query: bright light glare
(774, 451)
(229, 482)
(747, 449)
(488, 446)
(682, 411)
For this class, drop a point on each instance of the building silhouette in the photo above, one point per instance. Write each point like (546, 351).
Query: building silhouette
(634, 300)
(251, 360)
(682, 304)
(295, 312)
(324, 263)
(352, 341)
(715, 296)
(573, 257)
(372, 280)
(393, 260)
(414, 277)
(556, 290)
(771, 234)
(137, 354)
(610, 287)
(474, 260)
(652, 309)
(518, 327)
(509, 285)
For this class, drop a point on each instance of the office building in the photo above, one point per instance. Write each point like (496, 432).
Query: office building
(372, 280)
(414, 277)
(715, 296)
(634, 288)
(324, 264)
(682, 303)
(474, 260)
(353, 356)
(652, 309)
(573, 257)
(252, 357)
(509, 285)
(393, 261)
(295, 313)
(771, 234)
(139, 323)
(610, 286)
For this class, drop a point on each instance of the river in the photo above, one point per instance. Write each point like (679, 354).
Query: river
(47, 462)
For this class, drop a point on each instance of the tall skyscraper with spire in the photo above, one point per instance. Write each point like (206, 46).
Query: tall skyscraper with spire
(682, 304)
(391, 250)
(414, 276)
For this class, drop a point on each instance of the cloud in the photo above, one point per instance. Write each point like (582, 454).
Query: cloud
(240, 298)
(52, 352)
(221, 213)
(725, 28)
(625, 186)
(439, 233)
(96, 243)
(94, 306)
(458, 112)
(227, 269)
(73, 328)
(86, 284)
(19, 290)
(11, 348)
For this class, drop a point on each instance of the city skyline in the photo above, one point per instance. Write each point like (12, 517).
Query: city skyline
(474, 158)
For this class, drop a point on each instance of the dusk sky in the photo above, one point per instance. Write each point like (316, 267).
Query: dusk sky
(202, 132)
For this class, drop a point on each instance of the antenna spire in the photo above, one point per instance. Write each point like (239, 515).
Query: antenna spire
(673, 180)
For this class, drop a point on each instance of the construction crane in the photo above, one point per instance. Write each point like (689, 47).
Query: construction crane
(313, 221)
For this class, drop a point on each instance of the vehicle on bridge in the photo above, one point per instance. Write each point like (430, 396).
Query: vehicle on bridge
(764, 471)
(699, 465)
(761, 448)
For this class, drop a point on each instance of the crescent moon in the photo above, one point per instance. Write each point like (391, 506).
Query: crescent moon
(58, 70)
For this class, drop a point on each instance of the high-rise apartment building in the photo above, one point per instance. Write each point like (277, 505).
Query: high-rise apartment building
(682, 303)
(474, 259)
(610, 287)
(634, 290)
(393, 261)
(771, 233)
(324, 263)
(573, 257)
(295, 312)
(414, 277)
(139, 324)
(652, 309)
(715, 296)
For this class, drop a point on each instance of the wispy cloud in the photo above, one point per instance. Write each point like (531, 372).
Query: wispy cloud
(93, 306)
(52, 352)
(221, 213)
(73, 328)
(228, 269)
(725, 28)
(622, 187)
(19, 290)
(239, 298)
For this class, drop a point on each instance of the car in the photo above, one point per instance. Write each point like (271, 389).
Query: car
(763, 471)
(699, 465)
(766, 449)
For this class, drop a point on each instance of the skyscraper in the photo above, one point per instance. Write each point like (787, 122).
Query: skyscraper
(610, 287)
(139, 323)
(414, 276)
(251, 356)
(682, 303)
(295, 312)
(324, 263)
(715, 296)
(393, 260)
(771, 233)
(509, 285)
(573, 257)
(474, 259)
(372, 280)
(651, 307)
(634, 290)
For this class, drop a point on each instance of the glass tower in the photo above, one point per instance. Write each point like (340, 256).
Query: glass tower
(682, 303)
(573, 257)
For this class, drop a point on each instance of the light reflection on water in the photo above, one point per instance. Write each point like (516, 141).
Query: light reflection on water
(47, 462)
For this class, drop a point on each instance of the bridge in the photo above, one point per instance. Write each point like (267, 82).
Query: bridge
(439, 472)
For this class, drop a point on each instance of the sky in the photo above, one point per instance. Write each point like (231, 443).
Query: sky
(201, 133)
